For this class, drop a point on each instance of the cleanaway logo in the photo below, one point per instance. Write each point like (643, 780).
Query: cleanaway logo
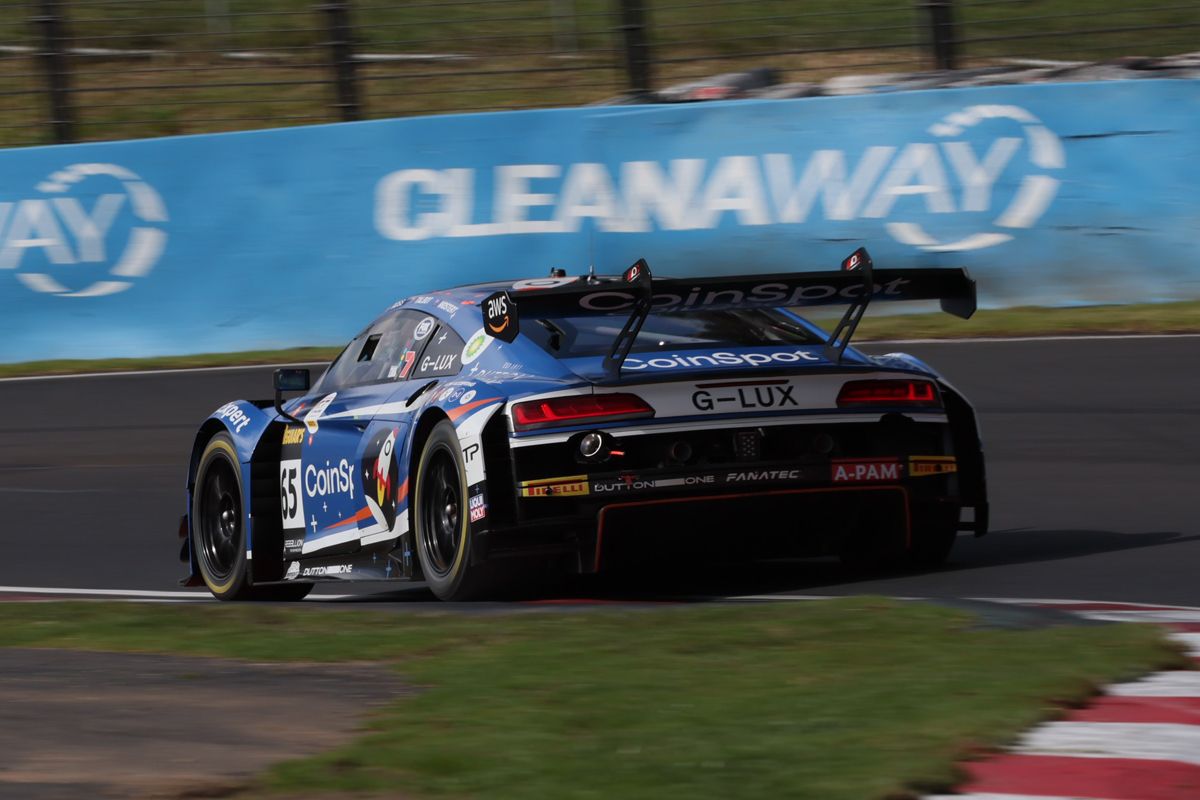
(93, 230)
(910, 187)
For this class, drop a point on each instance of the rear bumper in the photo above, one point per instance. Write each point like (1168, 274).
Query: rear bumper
(786, 516)
(800, 483)
(787, 532)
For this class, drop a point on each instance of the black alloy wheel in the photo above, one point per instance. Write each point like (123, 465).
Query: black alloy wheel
(442, 511)
(439, 518)
(218, 528)
(220, 520)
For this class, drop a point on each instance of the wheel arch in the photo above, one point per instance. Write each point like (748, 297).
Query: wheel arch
(429, 419)
(204, 435)
(252, 445)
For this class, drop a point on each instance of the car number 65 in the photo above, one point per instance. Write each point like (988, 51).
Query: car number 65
(291, 501)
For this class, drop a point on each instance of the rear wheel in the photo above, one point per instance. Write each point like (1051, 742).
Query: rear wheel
(439, 515)
(219, 532)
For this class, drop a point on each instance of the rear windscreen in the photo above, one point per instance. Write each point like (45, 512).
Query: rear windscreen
(571, 337)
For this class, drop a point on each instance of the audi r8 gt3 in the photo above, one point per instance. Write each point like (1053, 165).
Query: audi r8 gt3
(573, 422)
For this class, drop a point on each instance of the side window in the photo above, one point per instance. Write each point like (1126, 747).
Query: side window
(387, 351)
(442, 356)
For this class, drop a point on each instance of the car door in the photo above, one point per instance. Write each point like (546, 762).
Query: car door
(326, 463)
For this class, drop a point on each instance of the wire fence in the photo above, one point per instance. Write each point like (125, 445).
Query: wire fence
(81, 70)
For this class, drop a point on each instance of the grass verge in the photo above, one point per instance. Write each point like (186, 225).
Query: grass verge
(1161, 318)
(846, 699)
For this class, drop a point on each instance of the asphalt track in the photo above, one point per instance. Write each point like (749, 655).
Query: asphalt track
(1093, 452)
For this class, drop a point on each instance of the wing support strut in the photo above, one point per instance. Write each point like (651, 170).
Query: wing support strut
(638, 276)
(858, 261)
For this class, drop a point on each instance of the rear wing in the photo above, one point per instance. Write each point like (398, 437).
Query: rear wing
(636, 293)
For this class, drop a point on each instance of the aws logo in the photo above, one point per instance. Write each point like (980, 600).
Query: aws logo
(94, 230)
(500, 316)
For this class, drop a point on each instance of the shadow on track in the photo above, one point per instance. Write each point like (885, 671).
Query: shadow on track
(1017, 562)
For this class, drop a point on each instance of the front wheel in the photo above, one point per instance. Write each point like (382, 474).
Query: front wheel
(219, 529)
(218, 526)
(439, 515)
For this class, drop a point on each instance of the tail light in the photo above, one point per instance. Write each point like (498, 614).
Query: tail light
(919, 394)
(578, 409)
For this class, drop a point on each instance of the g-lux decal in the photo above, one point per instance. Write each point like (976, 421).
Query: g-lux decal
(769, 395)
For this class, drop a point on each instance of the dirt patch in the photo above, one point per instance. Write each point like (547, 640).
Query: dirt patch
(88, 725)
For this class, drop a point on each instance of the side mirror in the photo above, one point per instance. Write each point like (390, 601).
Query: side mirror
(292, 380)
(289, 380)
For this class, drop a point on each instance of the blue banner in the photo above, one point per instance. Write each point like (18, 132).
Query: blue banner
(1050, 194)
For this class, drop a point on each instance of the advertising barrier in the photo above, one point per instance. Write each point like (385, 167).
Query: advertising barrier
(1051, 194)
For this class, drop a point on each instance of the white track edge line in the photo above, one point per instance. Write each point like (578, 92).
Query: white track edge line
(103, 592)
(199, 594)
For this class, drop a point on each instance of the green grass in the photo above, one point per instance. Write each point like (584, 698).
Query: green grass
(519, 53)
(840, 700)
(1181, 317)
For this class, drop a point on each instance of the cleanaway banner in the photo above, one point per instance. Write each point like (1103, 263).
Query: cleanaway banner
(1051, 194)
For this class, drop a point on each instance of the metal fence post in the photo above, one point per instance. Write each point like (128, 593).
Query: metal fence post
(341, 50)
(942, 34)
(53, 56)
(637, 46)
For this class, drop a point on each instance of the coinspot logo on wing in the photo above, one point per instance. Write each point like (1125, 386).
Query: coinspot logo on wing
(92, 230)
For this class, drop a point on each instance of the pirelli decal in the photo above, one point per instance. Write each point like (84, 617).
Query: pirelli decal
(570, 486)
(923, 466)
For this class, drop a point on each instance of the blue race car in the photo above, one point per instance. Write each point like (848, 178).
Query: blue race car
(577, 423)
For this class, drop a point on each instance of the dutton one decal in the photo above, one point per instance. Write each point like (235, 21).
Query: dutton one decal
(987, 170)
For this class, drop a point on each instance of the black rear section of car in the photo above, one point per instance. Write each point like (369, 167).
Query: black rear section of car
(750, 489)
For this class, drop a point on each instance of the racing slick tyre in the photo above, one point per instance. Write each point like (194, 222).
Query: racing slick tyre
(439, 517)
(218, 530)
(218, 533)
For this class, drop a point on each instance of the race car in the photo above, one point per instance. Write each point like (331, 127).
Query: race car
(572, 423)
